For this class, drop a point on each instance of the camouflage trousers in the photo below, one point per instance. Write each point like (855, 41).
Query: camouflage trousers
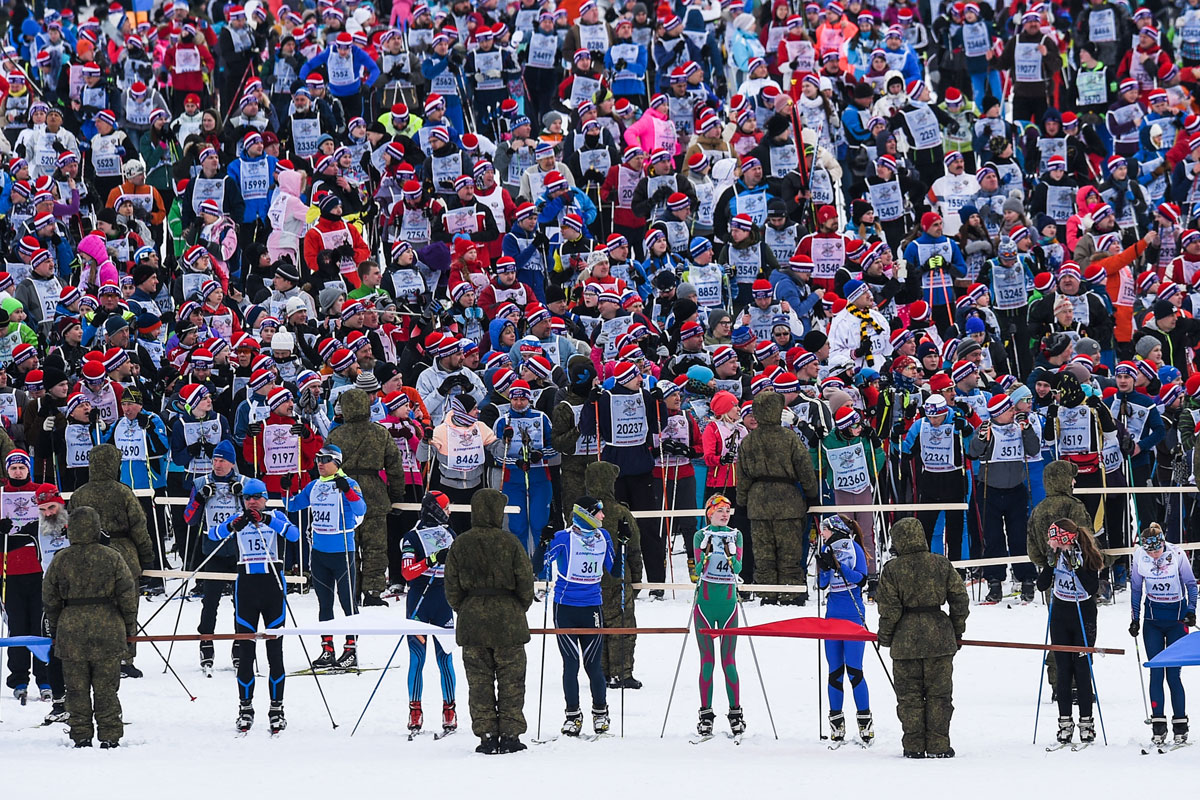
(496, 689)
(616, 658)
(371, 538)
(924, 704)
(82, 680)
(778, 551)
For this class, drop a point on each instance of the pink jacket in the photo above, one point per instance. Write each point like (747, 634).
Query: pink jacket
(90, 280)
(652, 128)
(288, 215)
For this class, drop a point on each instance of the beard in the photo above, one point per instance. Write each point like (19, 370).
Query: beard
(53, 526)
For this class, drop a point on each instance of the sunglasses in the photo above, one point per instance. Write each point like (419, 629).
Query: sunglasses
(325, 459)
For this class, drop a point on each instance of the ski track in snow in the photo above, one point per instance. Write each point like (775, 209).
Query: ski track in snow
(995, 700)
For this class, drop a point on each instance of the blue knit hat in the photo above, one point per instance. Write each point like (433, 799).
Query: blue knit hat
(225, 450)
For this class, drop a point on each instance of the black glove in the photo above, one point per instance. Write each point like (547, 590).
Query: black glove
(597, 57)
(910, 412)
(93, 416)
(236, 486)
(728, 457)
(301, 430)
(507, 434)
(624, 532)
(535, 456)
(144, 421)
(621, 63)
(863, 350)
(1052, 411)
(285, 482)
(1093, 401)
(241, 522)
(447, 384)
(676, 448)
(456, 58)
(522, 465)
(254, 428)
(432, 559)
(206, 490)
(548, 535)
(463, 382)
(342, 483)
(961, 424)
(540, 239)
(826, 559)
(427, 436)
(679, 46)
(6, 526)
(596, 394)
(637, 277)
(1190, 620)
(661, 194)
(1134, 628)
(194, 450)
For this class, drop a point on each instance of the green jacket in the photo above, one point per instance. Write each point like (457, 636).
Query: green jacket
(913, 586)
(771, 462)
(121, 515)
(89, 595)
(368, 449)
(489, 580)
(599, 480)
(834, 440)
(1058, 478)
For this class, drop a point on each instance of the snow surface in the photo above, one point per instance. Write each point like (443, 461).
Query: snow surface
(181, 749)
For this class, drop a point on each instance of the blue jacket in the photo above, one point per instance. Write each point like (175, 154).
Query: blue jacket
(635, 85)
(1152, 433)
(537, 472)
(273, 524)
(241, 417)
(353, 509)
(566, 591)
(140, 474)
(181, 459)
(362, 61)
(254, 209)
(552, 207)
(957, 266)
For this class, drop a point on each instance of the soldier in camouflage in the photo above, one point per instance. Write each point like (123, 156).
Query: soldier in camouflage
(368, 449)
(489, 583)
(617, 610)
(577, 450)
(776, 480)
(913, 586)
(1059, 479)
(91, 607)
(121, 517)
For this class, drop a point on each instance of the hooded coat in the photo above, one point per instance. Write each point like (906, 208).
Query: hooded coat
(489, 580)
(368, 449)
(120, 513)
(1058, 478)
(919, 581)
(94, 245)
(289, 217)
(87, 570)
(771, 462)
(599, 481)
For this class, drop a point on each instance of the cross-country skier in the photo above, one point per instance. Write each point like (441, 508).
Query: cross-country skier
(258, 592)
(423, 565)
(717, 549)
(580, 554)
(1075, 575)
(843, 571)
(1163, 572)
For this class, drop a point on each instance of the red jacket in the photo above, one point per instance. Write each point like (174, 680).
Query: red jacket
(252, 451)
(328, 234)
(21, 556)
(188, 81)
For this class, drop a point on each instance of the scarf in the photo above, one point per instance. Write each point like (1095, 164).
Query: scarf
(867, 325)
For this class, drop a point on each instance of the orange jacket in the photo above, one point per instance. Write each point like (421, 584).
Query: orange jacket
(1123, 315)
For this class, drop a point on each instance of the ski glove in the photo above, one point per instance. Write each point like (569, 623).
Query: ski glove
(548, 534)
(1190, 620)
(1134, 628)
(254, 429)
(624, 532)
(48, 425)
(826, 559)
(342, 483)
(431, 560)
(206, 490)
(6, 526)
(299, 430)
(285, 482)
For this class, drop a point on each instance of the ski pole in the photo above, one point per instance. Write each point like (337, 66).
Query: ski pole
(1141, 677)
(382, 675)
(1091, 672)
(542, 670)
(191, 696)
(682, 647)
(758, 669)
(1042, 671)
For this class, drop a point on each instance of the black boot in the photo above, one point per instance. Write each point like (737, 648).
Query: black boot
(245, 718)
(510, 744)
(373, 599)
(737, 723)
(275, 717)
(866, 727)
(837, 726)
(1179, 727)
(487, 744)
(1158, 730)
(995, 592)
(705, 726)
(326, 659)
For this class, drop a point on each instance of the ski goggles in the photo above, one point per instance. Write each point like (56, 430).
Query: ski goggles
(1153, 539)
(835, 524)
(716, 502)
(1061, 535)
(325, 459)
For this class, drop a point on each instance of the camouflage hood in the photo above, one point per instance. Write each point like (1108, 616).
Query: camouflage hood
(908, 536)
(768, 408)
(104, 464)
(84, 525)
(356, 406)
(487, 508)
(1058, 476)
(599, 480)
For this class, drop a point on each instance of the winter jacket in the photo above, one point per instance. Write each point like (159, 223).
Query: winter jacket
(913, 586)
(776, 476)
(1058, 477)
(121, 515)
(369, 454)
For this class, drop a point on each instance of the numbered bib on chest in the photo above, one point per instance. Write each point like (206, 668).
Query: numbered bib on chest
(209, 431)
(1066, 585)
(1010, 286)
(849, 465)
(717, 568)
(1007, 445)
(1161, 575)
(887, 200)
(708, 281)
(256, 179)
(584, 445)
(435, 540)
(1102, 26)
(754, 204)
(1075, 430)
(305, 133)
(1027, 62)
(130, 439)
(923, 124)
(257, 544)
(937, 448)
(20, 507)
(828, 254)
(281, 450)
(79, 445)
(629, 425)
(585, 559)
(187, 60)
(975, 39)
(464, 448)
(325, 503)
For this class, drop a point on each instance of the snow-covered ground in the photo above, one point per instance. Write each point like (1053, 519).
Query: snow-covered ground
(182, 749)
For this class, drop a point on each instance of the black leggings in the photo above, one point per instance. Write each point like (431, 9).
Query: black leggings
(330, 572)
(256, 596)
(586, 649)
(1065, 629)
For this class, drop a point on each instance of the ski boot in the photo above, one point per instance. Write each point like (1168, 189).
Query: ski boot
(1179, 727)
(1087, 730)
(245, 717)
(326, 659)
(737, 723)
(509, 744)
(449, 718)
(995, 592)
(416, 717)
(349, 657)
(573, 724)
(629, 682)
(1158, 730)
(600, 720)
(83, 743)
(21, 692)
(872, 587)
(58, 712)
(837, 726)
(275, 717)
(109, 745)
(373, 599)
(1027, 591)
(1105, 593)
(488, 745)
(705, 726)
(1066, 730)
(44, 694)
(691, 566)
(866, 727)
(913, 754)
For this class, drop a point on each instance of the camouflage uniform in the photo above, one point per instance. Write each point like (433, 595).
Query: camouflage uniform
(1057, 477)
(90, 600)
(771, 462)
(121, 515)
(489, 583)
(617, 657)
(368, 448)
(564, 437)
(913, 586)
